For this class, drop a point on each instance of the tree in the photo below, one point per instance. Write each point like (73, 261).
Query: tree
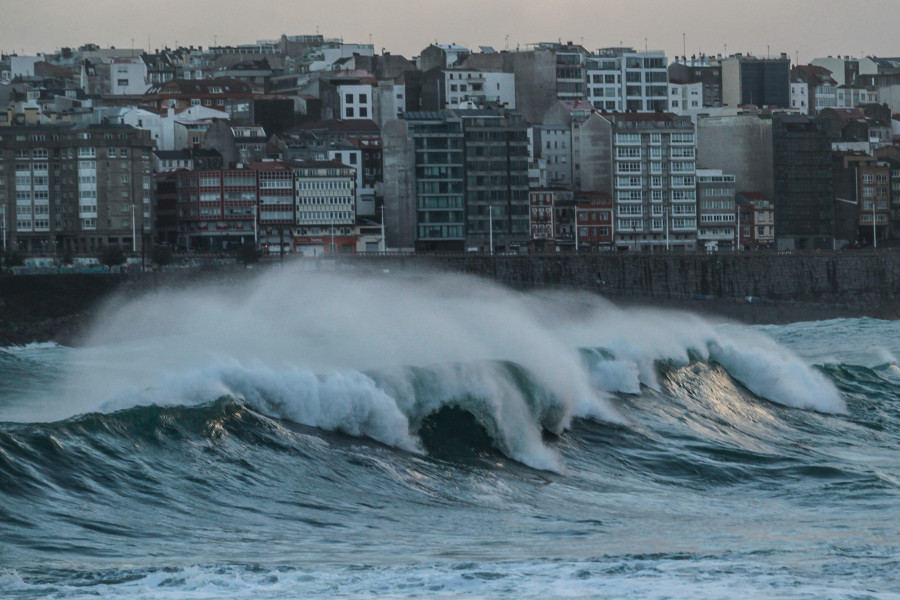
(112, 256)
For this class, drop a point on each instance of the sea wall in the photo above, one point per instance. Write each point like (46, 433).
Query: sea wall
(780, 287)
(849, 277)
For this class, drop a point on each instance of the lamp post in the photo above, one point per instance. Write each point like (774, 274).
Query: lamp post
(874, 230)
(666, 219)
(576, 229)
(491, 227)
(383, 241)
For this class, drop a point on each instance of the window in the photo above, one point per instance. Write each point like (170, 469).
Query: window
(363, 111)
(348, 112)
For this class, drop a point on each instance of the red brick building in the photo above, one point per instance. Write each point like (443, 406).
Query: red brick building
(593, 220)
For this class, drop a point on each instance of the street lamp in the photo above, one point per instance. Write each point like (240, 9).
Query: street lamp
(666, 219)
(874, 231)
(491, 227)
(576, 229)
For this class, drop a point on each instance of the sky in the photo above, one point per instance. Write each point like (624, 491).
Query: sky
(803, 29)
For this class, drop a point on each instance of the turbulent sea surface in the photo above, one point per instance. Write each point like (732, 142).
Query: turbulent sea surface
(343, 437)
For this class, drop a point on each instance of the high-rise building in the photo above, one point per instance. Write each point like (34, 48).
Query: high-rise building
(496, 168)
(439, 192)
(804, 191)
(651, 175)
(75, 188)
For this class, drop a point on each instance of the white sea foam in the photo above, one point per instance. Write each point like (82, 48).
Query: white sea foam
(330, 351)
(610, 578)
(773, 372)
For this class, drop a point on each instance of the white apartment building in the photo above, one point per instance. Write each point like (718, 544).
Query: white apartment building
(355, 101)
(685, 98)
(621, 79)
(845, 69)
(648, 162)
(716, 210)
(462, 87)
(853, 96)
(551, 146)
(325, 205)
(800, 96)
(127, 76)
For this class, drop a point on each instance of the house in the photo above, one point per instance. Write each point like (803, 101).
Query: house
(755, 221)
(237, 142)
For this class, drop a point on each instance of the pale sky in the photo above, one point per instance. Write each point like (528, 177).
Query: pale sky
(809, 27)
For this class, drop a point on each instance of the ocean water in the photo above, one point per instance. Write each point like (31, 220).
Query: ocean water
(433, 436)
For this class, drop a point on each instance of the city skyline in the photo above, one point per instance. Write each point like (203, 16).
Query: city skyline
(765, 27)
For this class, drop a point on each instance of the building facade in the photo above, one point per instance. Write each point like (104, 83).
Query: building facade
(621, 79)
(75, 188)
(748, 80)
(439, 180)
(715, 210)
(804, 191)
(651, 176)
(496, 170)
(324, 207)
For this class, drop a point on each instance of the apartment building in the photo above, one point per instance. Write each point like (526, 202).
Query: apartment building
(715, 210)
(324, 207)
(622, 79)
(647, 161)
(75, 188)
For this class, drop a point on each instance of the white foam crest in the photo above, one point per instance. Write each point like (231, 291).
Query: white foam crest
(616, 376)
(886, 356)
(345, 323)
(348, 402)
(16, 349)
(487, 391)
(643, 336)
(328, 323)
(355, 404)
(773, 372)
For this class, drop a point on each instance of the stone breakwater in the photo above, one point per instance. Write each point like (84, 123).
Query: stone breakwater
(749, 287)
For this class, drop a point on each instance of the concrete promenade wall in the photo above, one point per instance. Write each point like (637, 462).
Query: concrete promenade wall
(790, 287)
(837, 278)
